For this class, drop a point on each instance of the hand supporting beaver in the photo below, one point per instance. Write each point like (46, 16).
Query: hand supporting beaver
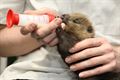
(77, 28)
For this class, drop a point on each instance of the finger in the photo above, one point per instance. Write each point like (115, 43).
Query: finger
(87, 43)
(90, 52)
(99, 70)
(46, 30)
(28, 28)
(41, 11)
(49, 38)
(92, 62)
(54, 42)
(85, 54)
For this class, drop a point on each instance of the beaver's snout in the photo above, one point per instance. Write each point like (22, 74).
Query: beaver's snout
(65, 18)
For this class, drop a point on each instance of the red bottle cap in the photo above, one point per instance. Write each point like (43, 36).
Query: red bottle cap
(12, 18)
(51, 17)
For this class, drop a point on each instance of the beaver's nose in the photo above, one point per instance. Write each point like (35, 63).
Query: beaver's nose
(65, 18)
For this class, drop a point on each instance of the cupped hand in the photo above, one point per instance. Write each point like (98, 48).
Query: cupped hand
(91, 53)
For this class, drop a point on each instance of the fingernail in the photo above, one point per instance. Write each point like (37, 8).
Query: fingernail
(71, 50)
(68, 60)
(58, 21)
(81, 75)
(72, 68)
(24, 31)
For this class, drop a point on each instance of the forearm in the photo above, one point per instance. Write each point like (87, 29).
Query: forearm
(13, 43)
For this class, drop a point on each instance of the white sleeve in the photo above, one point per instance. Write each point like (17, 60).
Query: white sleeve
(16, 5)
(37, 4)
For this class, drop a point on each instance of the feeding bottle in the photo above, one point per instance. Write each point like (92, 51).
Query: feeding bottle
(23, 19)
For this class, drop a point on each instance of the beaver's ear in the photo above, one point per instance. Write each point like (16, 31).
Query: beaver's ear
(90, 29)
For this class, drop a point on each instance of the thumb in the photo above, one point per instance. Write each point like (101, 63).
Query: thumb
(44, 31)
(55, 23)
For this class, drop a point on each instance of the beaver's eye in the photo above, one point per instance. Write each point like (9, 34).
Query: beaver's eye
(77, 21)
(90, 29)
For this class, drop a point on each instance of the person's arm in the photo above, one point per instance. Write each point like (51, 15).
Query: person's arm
(13, 43)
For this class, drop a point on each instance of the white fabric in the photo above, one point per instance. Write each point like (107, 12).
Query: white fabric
(40, 65)
(45, 63)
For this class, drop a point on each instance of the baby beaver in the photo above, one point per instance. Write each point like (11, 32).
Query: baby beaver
(77, 28)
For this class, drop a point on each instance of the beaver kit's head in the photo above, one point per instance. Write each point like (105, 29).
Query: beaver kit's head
(77, 27)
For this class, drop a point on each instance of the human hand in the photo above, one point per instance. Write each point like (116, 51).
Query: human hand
(92, 52)
(46, 32)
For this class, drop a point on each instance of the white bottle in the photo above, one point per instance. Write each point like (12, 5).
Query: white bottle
(23, 19)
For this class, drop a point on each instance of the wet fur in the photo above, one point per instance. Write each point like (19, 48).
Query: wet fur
(78, 28)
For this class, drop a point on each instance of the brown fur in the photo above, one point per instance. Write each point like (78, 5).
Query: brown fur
(78, 28)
